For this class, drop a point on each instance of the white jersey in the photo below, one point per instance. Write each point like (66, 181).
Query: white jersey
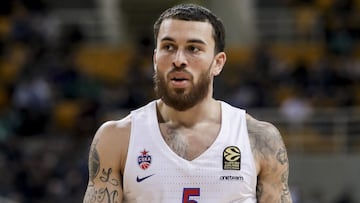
(224, 173)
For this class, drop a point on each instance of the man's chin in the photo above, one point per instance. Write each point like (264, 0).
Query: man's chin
(178, 103)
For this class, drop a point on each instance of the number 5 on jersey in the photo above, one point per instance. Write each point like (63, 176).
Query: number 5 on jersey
(188, 193)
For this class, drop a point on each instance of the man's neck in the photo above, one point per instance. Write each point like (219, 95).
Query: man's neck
(207, 110)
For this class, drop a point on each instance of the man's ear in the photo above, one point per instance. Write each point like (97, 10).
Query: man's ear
(154, 59)
(219, 63)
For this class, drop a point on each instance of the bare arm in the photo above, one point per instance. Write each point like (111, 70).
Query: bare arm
(272, 162)
(106, 164)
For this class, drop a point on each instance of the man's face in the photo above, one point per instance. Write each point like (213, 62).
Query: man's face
(185, 62)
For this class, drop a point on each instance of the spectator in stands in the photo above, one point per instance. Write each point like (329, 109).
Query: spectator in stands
(33, 100)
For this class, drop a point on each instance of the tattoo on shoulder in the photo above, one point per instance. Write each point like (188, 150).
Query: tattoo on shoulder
(266, 140)
(94, 161)
(281, 156)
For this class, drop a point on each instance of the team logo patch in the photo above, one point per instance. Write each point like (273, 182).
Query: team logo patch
(144, 160)
(231, 158)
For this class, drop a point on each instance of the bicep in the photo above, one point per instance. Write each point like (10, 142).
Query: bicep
(272, 163)
(105, 180)
(272, 185)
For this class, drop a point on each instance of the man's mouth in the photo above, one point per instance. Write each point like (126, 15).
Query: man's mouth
(178, 79)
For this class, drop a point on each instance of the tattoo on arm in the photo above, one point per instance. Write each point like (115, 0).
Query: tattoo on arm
(104, 194)
(285, 195)
(281, 156)
(106, 177)
(94, 162)
(263, 139)
(259, 190)
(101, 195)
(268, 147)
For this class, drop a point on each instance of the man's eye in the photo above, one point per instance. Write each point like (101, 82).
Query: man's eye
(169, 47)
(193, 49)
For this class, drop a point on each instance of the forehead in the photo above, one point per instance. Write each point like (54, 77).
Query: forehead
(185, 30)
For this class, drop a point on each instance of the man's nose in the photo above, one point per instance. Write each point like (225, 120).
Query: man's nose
(180, 59)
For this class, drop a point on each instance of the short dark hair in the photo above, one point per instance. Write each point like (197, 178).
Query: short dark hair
(192, 12)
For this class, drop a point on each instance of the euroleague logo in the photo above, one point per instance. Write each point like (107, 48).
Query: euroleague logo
(231, 158)
(144, 160)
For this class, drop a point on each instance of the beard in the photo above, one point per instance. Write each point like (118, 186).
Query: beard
(178, 98)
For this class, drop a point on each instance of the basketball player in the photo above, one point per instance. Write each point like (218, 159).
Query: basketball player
(187, 147)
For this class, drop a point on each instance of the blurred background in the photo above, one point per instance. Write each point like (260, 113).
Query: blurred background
(67, 66)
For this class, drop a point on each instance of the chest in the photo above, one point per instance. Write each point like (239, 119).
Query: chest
(189, 143)
(206, 174)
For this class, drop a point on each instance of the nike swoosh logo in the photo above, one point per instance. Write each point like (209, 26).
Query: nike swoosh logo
(142, 179)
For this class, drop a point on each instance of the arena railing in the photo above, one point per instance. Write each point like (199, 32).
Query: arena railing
(322, 130)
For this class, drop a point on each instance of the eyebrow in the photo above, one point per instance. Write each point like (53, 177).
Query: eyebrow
(197, 41)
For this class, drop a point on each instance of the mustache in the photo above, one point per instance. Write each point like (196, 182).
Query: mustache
(179, 69)
(174, 69)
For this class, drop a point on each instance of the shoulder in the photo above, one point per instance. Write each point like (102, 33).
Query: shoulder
(114, 128)
(265, 140)
(111, 131)
(261, 129)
